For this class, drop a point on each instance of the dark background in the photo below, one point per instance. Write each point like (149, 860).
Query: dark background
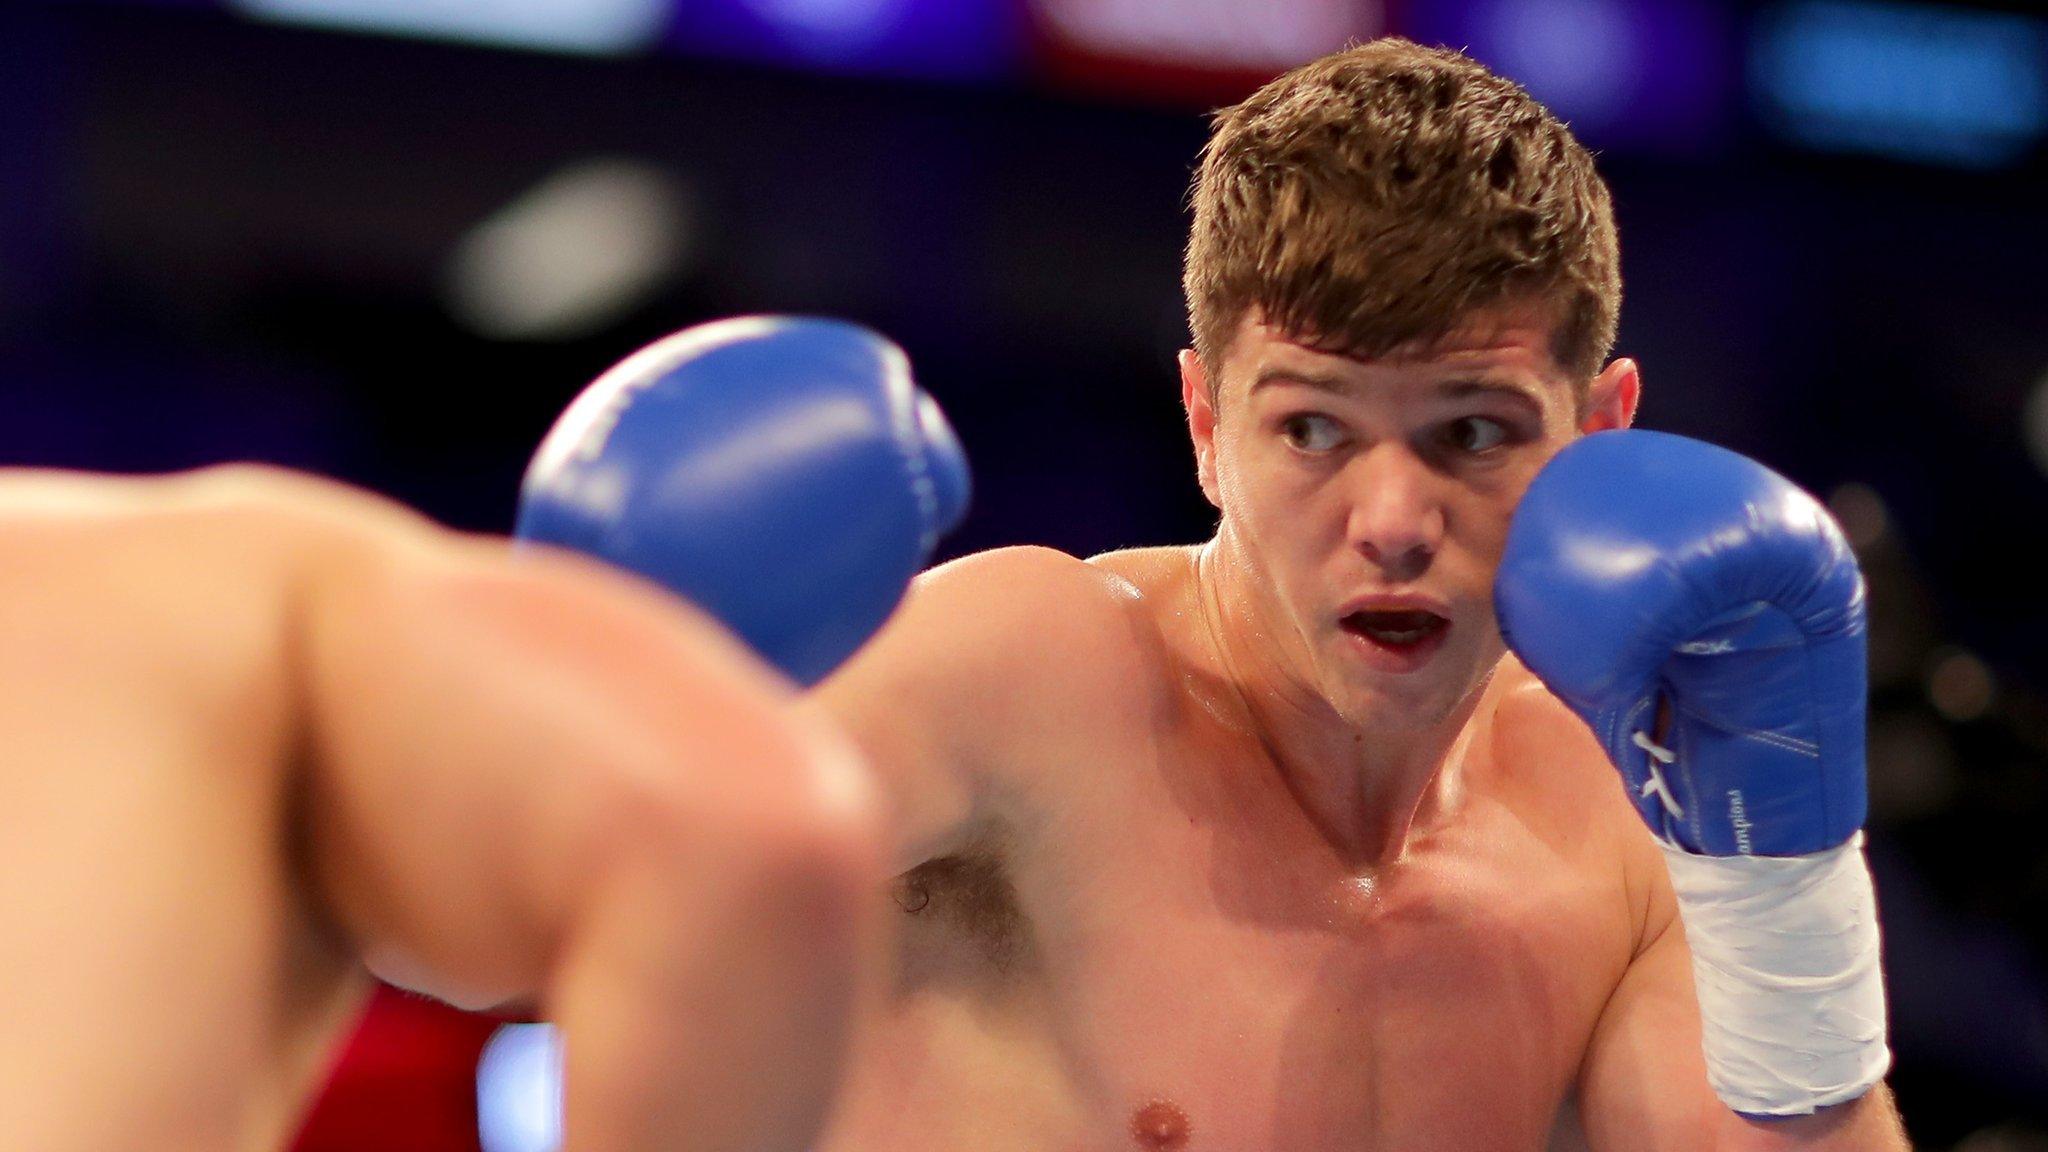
(231, 239)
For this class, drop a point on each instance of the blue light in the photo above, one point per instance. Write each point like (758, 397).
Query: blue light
(1935, 85)
(946, 39)
(832, 26)
(1580, 57)
(598, 27)
(1646, 75)
(519, 1090)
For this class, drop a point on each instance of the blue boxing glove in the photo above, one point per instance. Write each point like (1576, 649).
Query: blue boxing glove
(1644, 568)
(1705, 617)
(786, 474)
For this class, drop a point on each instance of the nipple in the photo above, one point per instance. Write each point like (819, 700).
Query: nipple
(1160, 1127)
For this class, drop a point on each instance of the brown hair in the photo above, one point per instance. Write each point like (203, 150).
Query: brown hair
(1383, 194)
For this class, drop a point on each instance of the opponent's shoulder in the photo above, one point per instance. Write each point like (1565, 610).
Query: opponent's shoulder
(208, 569)
(136, 551)
(305, 516)
(353, 561)
(162, 597)
(249, 510)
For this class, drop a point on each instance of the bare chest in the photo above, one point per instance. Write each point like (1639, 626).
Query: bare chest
(1147, 969)
(1284, 1005)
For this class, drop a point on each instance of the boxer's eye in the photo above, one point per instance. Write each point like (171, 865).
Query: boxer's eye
(1476, 434)
(1309, 432)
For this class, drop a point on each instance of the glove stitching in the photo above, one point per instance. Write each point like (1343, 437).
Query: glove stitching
(1775, 739)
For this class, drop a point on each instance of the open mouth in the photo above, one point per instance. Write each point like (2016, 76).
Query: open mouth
(1409, 636)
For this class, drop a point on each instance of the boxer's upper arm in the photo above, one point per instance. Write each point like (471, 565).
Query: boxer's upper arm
(487, 734)
(1643, 1083)
(990, 658)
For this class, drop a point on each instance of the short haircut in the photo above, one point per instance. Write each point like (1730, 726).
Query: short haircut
(1384, 194)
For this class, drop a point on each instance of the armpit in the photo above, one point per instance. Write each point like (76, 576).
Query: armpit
(968, 900)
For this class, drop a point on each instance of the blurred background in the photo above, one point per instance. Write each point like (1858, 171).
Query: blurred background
(386, 240)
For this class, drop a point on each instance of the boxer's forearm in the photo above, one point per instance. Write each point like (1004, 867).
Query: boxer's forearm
(1869, 1123)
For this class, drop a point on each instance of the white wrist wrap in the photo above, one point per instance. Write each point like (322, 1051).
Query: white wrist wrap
(1785, 958)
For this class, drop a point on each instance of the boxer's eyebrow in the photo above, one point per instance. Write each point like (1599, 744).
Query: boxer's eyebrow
(1461, 388)
(1323, 381)
(1517, 394)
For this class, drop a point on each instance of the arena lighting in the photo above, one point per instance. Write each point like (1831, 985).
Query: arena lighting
(1914, 82)
(851, 23)
(1580, 57)
(1960, 686)
(573, 254)
(943, 39)
(1655, 75)
(1219, 34)
(595, 27)
(519, 1090)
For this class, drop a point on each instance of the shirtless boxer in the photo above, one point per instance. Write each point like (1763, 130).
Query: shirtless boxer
(1267, 845)
(267, 735)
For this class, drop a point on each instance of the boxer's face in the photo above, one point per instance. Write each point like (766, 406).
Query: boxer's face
(1369, 500)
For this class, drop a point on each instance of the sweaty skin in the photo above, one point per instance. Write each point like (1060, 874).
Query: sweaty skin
(1181, 868)
(1160, 920)
(267, 735)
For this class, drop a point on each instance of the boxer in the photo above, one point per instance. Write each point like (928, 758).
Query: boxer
(1270, 844)
(268, 737)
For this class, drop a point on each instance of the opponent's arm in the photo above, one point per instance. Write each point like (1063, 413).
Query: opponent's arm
(530, 776)
(789, 477)
(144, 981)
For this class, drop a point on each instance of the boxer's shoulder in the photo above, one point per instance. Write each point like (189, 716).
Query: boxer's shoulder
(1544, 765)
(1542, 758)
(1536, 738)
(1045, 611)
(1000, 670)
(1019, 655)
(1163, 591)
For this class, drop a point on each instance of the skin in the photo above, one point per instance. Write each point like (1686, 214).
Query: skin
(269, 736)
(1183, 868)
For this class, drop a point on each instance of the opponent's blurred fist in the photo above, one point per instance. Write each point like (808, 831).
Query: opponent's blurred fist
(784, 473)
(1644, 568)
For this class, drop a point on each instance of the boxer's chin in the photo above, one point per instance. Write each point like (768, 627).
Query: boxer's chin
(1409, 685)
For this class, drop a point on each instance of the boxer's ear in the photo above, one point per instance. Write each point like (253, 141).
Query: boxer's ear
(1612, 397)
(1200, 403)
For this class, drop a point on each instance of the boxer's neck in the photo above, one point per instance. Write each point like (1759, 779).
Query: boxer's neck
(1371, 788)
